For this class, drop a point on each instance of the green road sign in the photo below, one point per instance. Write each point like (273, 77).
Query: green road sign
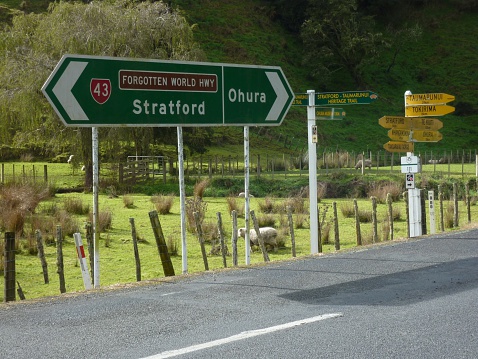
(329, 113)
(336, 98)
(301, 99)
(92, 91)
(345, 98)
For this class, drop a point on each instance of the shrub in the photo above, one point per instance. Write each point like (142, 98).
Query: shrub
(128, 201)
(162, 203)
(200, 187)
(75, 206)
(448, 216)
(173, 244)
(232, 205)
(69, 225)
(380, 191)
(210, 232)
(105, 219)
(17, 201)
(267, 206)
(300, 220)
(266, 220)
(325, 232)
(296, 204)
(347, 209)
(365, 215)
(192, 205)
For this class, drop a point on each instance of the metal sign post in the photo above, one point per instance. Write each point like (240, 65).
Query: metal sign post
(314, 225)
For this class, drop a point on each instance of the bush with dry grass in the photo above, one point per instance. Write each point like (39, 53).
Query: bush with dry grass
(105, 219)
(128, 201)
(300, 220)
(266, 220)
(347, 209)
(18, 201)
(267, 205)
(200, 187)
(162, 203)
(75, 206)
(232, 205)
(380, 191)
(195, 204)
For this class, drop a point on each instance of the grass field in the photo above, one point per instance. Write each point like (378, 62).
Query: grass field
(117, 264)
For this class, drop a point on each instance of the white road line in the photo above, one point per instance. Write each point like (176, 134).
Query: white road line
(243, 335)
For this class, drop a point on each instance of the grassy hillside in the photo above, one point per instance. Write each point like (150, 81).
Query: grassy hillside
(443, 60)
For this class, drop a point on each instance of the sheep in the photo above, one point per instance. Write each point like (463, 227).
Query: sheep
(367, 163)
(268, 235)
(70, 159)
(243, 195)
(441, 160)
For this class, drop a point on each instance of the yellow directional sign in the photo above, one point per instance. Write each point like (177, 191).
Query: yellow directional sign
(408, 123)
(395, 122)
(395, 146)
(428, 98)
(428, 110)
(430, 124)
(399, 134)
(426, 136)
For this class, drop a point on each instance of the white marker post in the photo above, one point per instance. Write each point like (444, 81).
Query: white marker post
(414, 204)
(314, 224)
(96, 238)
(182, 200)
(246, 195)
(82, 258)
(431, 210)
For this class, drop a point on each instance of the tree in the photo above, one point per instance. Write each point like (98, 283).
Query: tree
(34, 44)
(337, 36)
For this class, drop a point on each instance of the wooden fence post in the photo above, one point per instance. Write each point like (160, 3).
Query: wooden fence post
(91, 250)
(135, 249)
(291, 230)
(440, 198)
(390, 215)
(336, 227)
(467, 196)
(201, 239)
(455, 205)
(374, 220)
(59, 258)
(9, 267)
(234, 238)
(41, 255)
(423, 211)
(405, 198)
(357, 223)
(221, 239)
(161, 244)
(319, 230)
(259, 237)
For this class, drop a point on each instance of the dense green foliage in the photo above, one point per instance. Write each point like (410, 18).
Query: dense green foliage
(417, 45)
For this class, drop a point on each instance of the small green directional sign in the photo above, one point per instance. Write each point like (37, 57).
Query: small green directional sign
(91, 91)
(345, 98)
(336, 98)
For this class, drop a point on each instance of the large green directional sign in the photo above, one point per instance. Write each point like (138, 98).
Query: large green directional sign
(91, 91)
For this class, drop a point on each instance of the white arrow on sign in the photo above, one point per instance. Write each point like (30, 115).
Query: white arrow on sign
(63, 87)
(281, 99)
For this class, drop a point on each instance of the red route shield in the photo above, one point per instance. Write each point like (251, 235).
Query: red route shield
(100, 90)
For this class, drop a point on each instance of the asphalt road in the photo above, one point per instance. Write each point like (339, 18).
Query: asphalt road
(414, 299)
